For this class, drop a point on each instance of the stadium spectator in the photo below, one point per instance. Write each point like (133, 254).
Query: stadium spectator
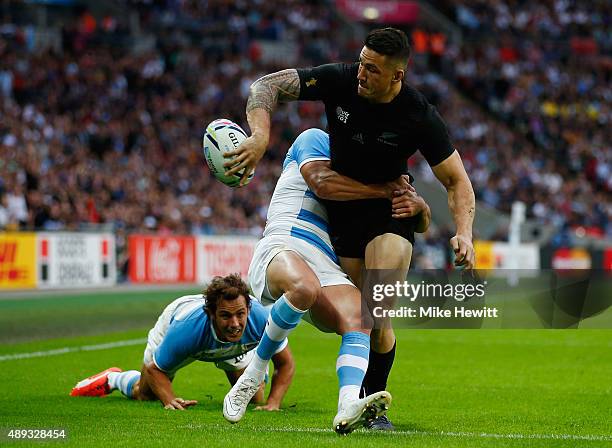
(542, 68)
(4, 214)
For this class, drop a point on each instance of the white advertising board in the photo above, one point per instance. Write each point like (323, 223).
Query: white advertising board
(70, 259)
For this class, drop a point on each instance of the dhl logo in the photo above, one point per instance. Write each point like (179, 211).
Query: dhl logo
(8, 252)
(8, 256)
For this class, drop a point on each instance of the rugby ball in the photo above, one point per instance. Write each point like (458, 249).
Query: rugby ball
(220, 137)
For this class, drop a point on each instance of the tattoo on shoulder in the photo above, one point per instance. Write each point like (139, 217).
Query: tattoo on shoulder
(271, 89)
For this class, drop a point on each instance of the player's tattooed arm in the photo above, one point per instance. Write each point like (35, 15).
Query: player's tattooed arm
(274, 88)
(265, 94)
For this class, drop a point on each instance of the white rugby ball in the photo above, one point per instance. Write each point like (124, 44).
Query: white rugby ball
(220, 137)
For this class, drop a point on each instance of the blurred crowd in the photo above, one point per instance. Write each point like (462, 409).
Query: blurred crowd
(544, 68)
(96, 134)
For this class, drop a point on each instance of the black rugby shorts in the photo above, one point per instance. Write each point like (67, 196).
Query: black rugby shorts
(352, 225)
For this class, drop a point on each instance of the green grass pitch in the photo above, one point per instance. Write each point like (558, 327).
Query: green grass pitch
(451, 388)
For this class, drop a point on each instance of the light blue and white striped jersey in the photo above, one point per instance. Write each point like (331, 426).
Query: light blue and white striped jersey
(294, 209)
(191, 336)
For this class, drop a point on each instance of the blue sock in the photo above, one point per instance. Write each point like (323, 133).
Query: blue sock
(124, 381)
(352, 365)
(283, 318)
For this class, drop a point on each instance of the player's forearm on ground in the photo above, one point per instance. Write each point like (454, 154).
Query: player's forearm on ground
(280, 384)
(462, 205)
(160, 384)
(284, 367)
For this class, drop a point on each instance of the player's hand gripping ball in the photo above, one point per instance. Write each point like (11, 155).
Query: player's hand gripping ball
(220, 137)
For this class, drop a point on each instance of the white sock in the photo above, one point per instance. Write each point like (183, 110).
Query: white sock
(124, 381)
(257, 367)
(347, 394)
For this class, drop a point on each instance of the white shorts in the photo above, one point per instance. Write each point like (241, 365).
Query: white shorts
(326, 270)
(158, 332)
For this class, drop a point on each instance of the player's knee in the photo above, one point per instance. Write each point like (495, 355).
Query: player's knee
(389, 252)
(303, 293)
(399, 258)
(399, 262)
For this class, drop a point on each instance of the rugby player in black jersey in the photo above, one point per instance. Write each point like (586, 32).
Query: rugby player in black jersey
(376, 122)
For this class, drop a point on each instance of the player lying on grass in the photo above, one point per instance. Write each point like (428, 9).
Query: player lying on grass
(294, 266)
(222, 326)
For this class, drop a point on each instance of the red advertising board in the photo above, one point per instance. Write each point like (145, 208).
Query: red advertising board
(224, 255)
(607, 259)
(571, 258)
(380, 11)
(162, 259)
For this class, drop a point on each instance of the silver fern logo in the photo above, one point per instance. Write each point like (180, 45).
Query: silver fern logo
(386, 138)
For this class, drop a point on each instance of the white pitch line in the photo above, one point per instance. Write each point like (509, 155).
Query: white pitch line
(512, 436)
(590, 437)
(64, 350)
(484, 435)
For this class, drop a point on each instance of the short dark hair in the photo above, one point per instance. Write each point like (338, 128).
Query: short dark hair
(389, 42)
(229, 287)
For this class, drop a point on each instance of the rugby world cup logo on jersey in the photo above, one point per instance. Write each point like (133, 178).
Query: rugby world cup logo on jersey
(342, 114)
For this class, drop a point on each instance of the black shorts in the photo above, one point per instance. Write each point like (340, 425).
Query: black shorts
(353, 224)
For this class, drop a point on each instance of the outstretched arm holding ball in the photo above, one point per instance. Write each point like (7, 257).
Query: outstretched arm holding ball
(265, 94)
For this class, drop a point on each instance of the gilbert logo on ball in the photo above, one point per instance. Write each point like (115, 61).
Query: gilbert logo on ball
(222, 136)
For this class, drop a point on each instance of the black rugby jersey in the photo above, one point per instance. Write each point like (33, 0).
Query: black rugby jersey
(371, 142)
